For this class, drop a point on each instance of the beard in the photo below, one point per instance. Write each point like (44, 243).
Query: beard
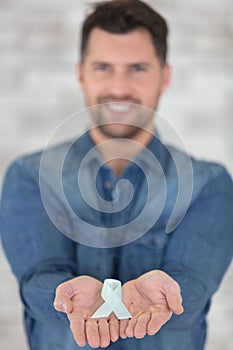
(112, 131)
(114, 124)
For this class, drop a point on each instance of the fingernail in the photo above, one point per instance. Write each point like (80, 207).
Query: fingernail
(63, 307)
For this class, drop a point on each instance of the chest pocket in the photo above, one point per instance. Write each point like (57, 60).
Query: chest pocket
(144, 254)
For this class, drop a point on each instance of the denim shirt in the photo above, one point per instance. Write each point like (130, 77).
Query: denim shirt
(196, 252)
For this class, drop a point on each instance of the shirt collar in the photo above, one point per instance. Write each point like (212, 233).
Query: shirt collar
(157, 148)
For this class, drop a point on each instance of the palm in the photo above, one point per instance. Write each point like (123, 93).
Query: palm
(140, 299)
(151, 299)
(147, 300)
(86, 297)
(82, 297)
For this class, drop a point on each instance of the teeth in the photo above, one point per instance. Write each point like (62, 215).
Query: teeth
(119, 107)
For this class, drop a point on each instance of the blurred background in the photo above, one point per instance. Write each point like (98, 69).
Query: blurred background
(38, 90)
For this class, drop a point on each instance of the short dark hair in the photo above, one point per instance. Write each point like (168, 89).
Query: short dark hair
(123, 16)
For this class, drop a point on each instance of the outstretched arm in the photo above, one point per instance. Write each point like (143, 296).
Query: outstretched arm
(197, 256)
(200, 250)
(40, 256)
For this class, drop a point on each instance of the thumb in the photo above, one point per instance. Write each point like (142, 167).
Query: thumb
(63, 304)
(174, 298)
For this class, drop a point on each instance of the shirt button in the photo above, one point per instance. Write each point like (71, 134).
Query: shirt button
(107, 185)
(157, 240)
(114, 195)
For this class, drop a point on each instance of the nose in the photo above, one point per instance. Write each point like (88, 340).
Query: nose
(120, 85)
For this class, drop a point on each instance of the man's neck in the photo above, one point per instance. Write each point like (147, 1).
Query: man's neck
(117, 152)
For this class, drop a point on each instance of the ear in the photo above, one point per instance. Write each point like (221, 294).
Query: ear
(166, 77)
(79, 73)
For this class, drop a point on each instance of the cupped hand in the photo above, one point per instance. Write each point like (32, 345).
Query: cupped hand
(151, 299)
(80, 298)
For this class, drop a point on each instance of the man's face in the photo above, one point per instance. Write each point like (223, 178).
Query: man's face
(120, 72)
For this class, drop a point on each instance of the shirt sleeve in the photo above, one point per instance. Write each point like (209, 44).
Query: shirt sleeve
(41, 257)
(200, 250)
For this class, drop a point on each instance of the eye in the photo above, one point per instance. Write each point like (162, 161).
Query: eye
(138, 68)
(102, 67)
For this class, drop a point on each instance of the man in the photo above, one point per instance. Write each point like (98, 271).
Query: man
(123, 72)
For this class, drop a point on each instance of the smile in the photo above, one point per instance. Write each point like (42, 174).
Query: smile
(119, 107)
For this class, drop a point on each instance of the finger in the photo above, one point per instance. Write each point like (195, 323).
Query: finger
(77, 326)
(92, 333)
(157, 320)
(114, 328)
(174, 298)
(130, 328)
(140, 328)
(123, 326)
(63, 304)
(131, 324)
(104, 332)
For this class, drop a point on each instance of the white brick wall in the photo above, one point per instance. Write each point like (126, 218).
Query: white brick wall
(38, 46)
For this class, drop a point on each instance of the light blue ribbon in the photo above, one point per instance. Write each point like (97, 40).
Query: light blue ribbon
(112, 295)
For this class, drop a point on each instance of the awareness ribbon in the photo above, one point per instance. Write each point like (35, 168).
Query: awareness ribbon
(112, 295)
